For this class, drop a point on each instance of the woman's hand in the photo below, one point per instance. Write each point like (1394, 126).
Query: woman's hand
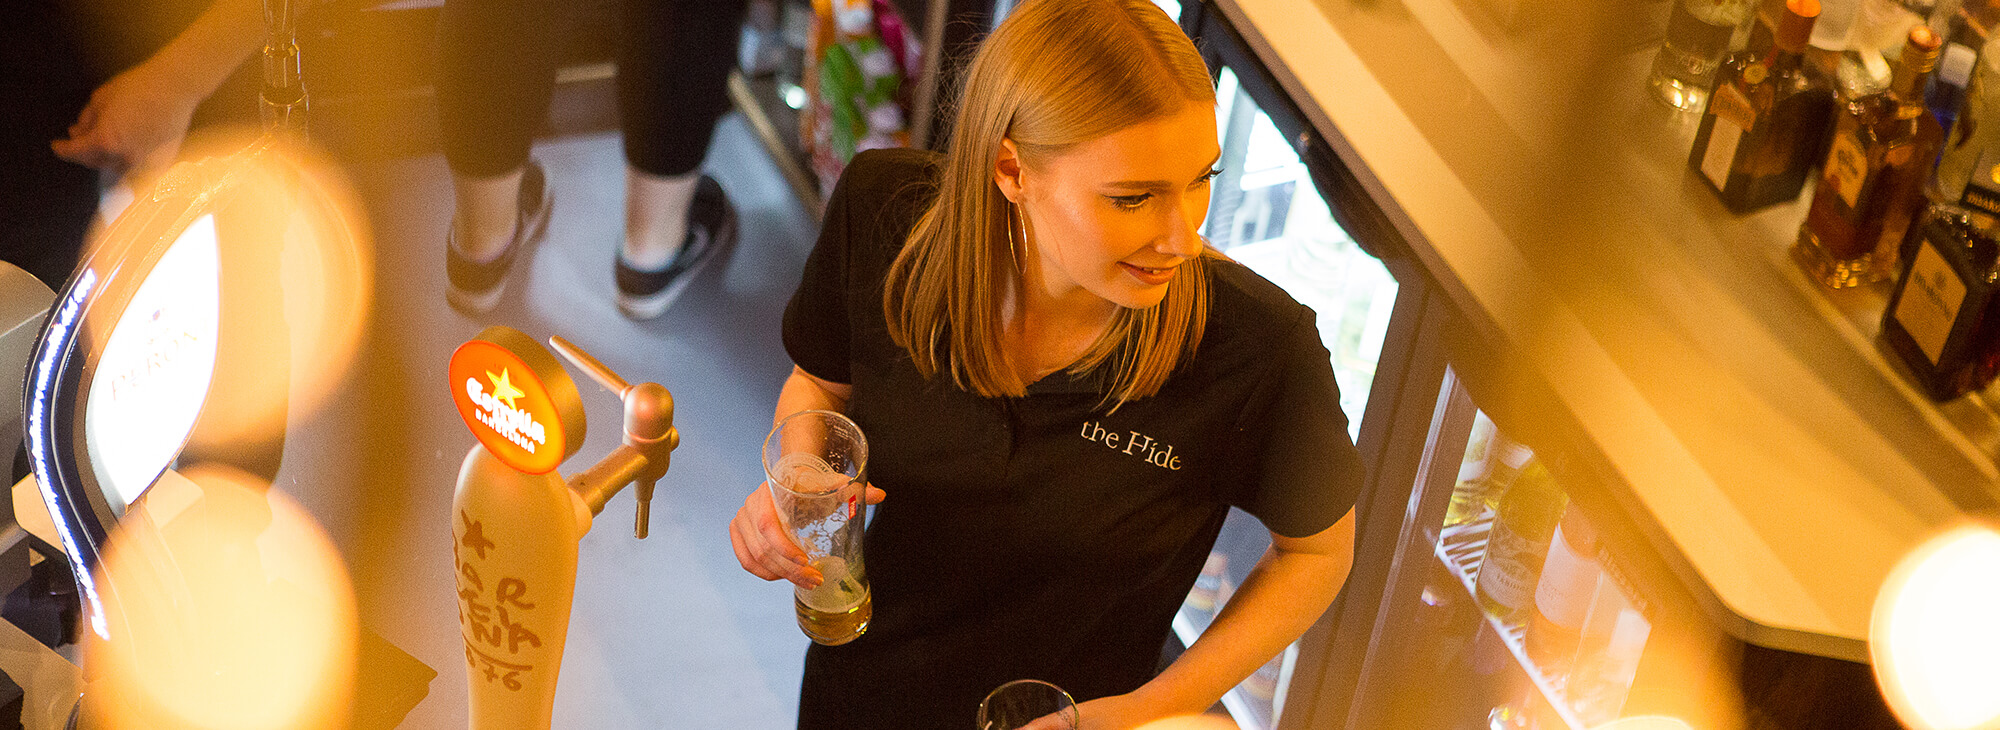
(1117, 712)
(763, 547)
(136, 120)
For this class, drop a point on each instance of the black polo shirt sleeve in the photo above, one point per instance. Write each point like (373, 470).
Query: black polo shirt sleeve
(1302, 472)
(816, 327)
(868, 217)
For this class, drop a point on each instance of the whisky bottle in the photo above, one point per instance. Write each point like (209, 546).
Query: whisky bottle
(1522, 529)
(1941, 319)
(1871, 184)
(1766, 122)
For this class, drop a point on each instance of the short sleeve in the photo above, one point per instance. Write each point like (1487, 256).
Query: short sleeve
(1302, 471)
(816, 326)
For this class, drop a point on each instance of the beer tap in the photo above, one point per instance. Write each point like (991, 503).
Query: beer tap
(516, 523)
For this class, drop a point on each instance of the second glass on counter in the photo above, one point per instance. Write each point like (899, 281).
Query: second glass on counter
(815, 463)
(1028, 704)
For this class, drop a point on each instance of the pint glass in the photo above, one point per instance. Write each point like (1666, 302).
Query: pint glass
(1020, 703)
(815, 466)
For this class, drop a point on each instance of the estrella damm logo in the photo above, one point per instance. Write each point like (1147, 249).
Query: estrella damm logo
(507, 406)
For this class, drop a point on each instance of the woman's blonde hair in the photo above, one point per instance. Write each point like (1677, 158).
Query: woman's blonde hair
(1055, 74)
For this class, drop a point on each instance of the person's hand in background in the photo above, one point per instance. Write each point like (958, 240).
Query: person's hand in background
(135, 121)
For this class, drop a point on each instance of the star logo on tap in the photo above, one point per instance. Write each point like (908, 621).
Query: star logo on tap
(502, 389)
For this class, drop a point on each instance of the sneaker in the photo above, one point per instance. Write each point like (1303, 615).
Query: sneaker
(475, 287)
(711, 232)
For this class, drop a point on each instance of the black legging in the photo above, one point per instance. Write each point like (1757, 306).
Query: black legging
(498, 70)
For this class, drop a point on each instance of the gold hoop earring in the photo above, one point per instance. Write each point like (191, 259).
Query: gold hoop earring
(1017, 247)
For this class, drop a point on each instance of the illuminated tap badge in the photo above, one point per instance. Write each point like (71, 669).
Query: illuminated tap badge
(517, 400)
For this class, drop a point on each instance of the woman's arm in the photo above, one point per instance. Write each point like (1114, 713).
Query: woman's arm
(756, 535)
(139, 116)
(803, 392)
(1285, 593)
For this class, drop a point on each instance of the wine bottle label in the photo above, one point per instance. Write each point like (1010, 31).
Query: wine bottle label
(1846, 167)
(1930, 303)
(1568, 579)
(1512, 564)
(1721, 153)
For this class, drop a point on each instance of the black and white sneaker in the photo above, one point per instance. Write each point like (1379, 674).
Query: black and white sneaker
(711, 232)
(475, 287)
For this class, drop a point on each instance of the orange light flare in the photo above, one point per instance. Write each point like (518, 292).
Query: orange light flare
(230, 610)
(1934, 638)
(297, 266)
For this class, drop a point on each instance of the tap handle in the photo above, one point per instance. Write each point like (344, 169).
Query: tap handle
(644, 496)
(583, 361)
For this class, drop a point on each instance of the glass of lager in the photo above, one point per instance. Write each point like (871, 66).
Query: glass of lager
(815, 464)
(1023, 702)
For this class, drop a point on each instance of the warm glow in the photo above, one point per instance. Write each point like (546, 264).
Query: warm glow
(1935, 642)
(1646, 722)
(229, 610)
(1191, 722)
(298, 268)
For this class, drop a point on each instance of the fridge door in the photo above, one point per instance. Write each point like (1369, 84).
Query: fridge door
(1277, 208)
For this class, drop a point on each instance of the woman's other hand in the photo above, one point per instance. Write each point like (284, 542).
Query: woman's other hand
(762, 546)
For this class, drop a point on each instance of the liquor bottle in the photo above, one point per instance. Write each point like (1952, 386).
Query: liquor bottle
(1872, 184)
(1946, 94)
(1977, 128)
(1569, 581)
(1941, 319)
(1766, 122)
(1522, 529)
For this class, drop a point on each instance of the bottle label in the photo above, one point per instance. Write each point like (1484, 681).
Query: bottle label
(1512, 564)
(1846, 168)
(1716, 161)
(1730, 103)
(1568, 579)
(1930, 303)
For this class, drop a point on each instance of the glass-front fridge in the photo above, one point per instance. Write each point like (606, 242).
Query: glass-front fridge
(1562, 528)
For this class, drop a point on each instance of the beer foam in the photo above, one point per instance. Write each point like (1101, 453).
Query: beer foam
(839, 592)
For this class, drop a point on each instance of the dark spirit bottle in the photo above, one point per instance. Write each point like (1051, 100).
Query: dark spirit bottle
(1872, 181)
(1943, 319)
(1766, 123)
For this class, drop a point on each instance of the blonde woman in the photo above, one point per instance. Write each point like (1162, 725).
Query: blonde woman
(1064, 393)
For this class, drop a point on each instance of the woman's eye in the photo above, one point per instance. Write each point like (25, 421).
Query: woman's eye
(1203, 180)
(1129, 202)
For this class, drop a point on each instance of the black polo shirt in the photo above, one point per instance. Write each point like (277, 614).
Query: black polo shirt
(1039, 537)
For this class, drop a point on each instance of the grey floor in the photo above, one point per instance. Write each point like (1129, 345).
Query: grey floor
(667, 632)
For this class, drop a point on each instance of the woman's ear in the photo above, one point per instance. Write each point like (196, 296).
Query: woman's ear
(1007, 170)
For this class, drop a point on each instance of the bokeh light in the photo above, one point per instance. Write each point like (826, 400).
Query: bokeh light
(1934, 640)
(230, 610)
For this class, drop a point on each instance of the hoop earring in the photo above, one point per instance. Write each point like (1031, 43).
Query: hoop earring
(1017, 247)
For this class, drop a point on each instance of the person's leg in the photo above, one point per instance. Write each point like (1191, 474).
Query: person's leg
(673, 71)
(497, 67)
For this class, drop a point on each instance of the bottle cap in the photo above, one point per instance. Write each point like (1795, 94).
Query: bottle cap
(1921, 53)
(1796, 24)
(1956, 66)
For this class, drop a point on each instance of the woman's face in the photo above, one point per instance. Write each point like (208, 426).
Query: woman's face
(1115, 216)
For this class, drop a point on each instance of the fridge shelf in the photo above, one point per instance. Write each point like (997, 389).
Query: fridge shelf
(1462, 548)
